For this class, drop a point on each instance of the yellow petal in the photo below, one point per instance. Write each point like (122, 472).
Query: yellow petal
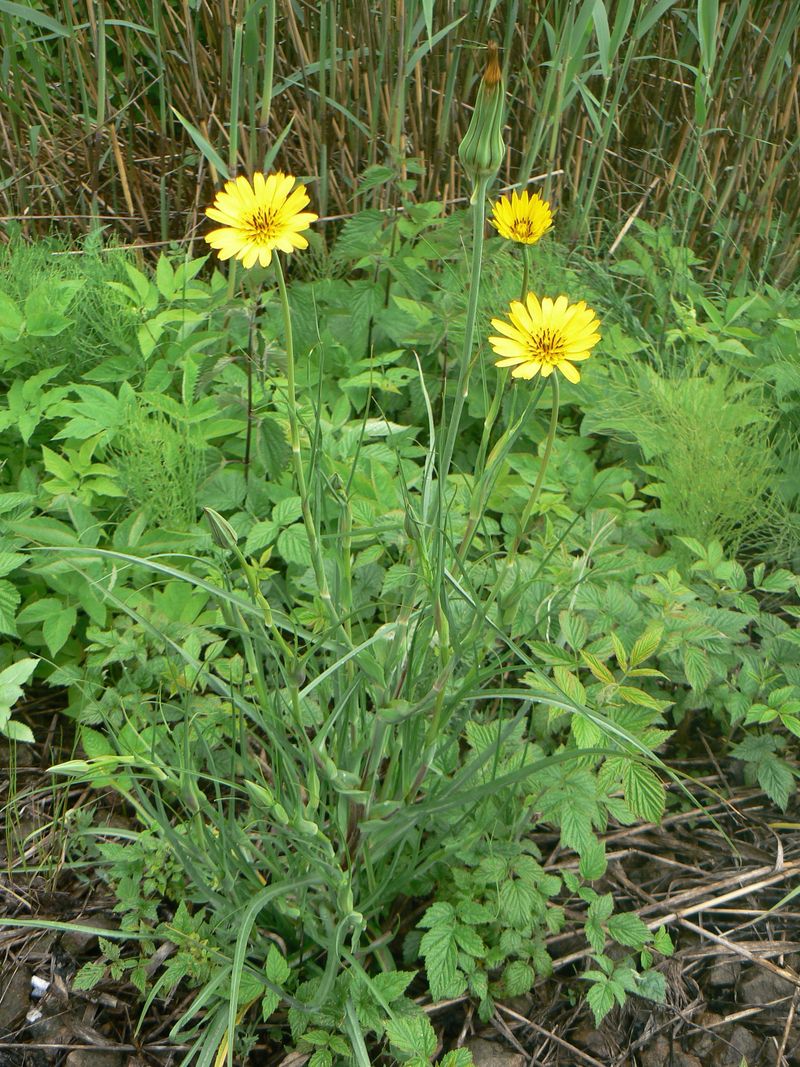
(520, 316)
(534, 309)
(505, 347)
(509, 331)
(527, 371)
(510, 361)
(570, 373)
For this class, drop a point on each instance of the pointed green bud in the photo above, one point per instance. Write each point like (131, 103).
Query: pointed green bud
(483, 149)
(222, 533)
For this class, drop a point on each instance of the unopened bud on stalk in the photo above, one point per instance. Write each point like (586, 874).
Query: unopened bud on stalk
(483, 149)
(222, 533)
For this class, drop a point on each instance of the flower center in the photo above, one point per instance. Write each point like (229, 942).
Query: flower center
(262, 225)
(523, 229)
(547, 346)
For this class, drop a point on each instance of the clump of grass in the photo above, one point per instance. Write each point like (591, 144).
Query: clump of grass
(161, 465)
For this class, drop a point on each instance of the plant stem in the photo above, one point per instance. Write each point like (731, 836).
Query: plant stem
(297, 458)
(526, 266)
(548, 450)
(252, 340)
(462, 387)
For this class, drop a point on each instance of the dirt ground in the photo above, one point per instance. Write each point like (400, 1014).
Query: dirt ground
(723, 876)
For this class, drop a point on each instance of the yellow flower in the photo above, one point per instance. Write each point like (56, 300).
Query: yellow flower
(258, 218)
(522, 218)
(544, 337)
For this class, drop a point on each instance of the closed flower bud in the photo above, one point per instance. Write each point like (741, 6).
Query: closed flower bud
(483, 149)
(222, 532)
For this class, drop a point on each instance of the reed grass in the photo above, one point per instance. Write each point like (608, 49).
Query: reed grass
(683, 110)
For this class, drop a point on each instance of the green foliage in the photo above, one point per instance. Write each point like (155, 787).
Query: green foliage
(330, 697)
(160, 466)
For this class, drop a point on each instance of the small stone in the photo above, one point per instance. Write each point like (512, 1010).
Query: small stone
(493, 1054)
(662, 1052)
(591, 1040)
(724, 1046)
(15, 993)
(742, 1046)
(91, 1057)
(759, 986)
(723, 975)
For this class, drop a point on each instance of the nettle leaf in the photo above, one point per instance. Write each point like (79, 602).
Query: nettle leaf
(600, 997)
(696, 667)
(628, 929)
(458, 1057)
(293, 545)
(518, 978)
(440, 951)
(392, 984)
(277, 969)
(518, 902)
(653, 986)
(662, 942)
(593, 862)
(776, 779)
(644, 793)
(412, 1034)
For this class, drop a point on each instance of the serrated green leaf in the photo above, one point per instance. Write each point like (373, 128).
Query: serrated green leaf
(458, 1057)
(593, 862)
(628, 929)
(518, 901)
(601, 999)
(277, 969)
(9, 601)
(293, 545)
(776, 779)
(697, 668)
(412, 1034)
(646, 645)
(662, 942)
(469, 941)
(518, 978)
(439, 950)
(644, 793)
(392, 984)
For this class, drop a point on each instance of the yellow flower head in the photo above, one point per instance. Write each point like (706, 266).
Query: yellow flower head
(523, 218)
(258, 218)
(544, 336)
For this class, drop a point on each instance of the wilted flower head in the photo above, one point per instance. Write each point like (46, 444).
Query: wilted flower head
(543, 337)
(256, 219)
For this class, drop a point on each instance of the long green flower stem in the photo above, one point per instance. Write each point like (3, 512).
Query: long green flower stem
(494, 410)
(462, 386)
(510, 559)
(548, 451)
(526, 268)
(491, 471)
(297, 458)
